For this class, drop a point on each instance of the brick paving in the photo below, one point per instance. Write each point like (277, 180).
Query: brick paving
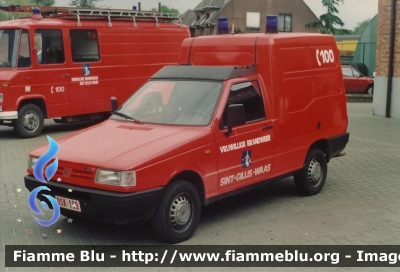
(359, 204)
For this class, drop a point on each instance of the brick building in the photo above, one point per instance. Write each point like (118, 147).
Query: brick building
(383, 106)
(248, 15)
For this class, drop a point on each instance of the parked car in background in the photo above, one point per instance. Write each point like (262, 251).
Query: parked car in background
(356, 82)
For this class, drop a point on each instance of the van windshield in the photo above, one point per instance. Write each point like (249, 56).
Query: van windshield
(173, 103)
(9, 47)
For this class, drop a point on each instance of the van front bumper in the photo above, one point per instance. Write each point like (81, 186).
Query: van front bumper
(106, 206)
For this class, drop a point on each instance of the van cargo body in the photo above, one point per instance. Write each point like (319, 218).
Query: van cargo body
(238, 111)
(305, 99)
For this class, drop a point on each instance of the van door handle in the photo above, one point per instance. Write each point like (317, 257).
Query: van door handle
(64, 75)
(28, 77)
(268, 127)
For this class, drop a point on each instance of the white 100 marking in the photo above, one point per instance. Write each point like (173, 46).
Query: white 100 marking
(60, 89)
(326, 55)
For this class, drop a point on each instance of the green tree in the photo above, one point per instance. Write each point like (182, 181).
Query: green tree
(167, 9)
(15, 2)
(43, 2)
(4, 15)
(360, 27)
(327, 22)
(84, 3)
(27, 2)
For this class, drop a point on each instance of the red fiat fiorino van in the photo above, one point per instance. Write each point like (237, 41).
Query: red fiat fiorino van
(237, 111)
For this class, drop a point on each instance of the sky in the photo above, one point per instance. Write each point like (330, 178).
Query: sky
(351, 12)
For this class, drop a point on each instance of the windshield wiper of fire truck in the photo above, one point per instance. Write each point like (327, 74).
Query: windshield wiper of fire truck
(127, 117)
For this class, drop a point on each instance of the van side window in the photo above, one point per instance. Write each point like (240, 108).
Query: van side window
(49, 46)
(249, 94)
(24, 57)
(84, 45)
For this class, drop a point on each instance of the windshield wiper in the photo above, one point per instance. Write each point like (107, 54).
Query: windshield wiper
(127, 117)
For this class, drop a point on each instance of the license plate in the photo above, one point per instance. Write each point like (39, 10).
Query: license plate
(70, 204)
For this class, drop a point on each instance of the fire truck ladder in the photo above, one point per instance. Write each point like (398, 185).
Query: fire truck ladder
(146, 15)
(95, 12)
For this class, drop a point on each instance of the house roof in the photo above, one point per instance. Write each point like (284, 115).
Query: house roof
(189, 17)
(215, 6)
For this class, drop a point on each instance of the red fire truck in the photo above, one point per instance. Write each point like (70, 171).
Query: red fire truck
(66, 63)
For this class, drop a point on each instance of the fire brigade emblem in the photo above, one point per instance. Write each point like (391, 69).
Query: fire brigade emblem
(246, 158)
(86, 69)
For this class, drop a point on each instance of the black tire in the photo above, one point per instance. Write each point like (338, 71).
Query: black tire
(178, 212)
(370, 89)
(312, 178)
(30, 121)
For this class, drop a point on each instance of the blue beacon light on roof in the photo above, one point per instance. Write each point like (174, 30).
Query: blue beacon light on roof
(36, 14)
(271, 25)
(223, 25)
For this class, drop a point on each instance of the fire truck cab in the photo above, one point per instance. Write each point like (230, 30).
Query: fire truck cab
(66, 63)
(237, 111)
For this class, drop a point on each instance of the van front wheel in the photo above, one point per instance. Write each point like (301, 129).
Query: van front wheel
(30, 121)
(312, 178)
(178, 212)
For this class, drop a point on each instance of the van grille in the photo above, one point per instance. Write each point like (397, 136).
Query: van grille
(75, 173)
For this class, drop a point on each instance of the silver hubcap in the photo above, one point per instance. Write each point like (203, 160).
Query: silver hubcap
(180, 213)
(31, 121)
(314, 172)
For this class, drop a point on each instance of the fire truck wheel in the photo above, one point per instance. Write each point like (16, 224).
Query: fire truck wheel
(30, 121)
(178, 212)
(312, 178)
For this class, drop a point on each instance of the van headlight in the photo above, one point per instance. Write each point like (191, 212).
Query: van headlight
(31, 162)
(117, 178)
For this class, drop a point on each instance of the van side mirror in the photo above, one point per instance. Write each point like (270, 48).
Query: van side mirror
(114, 104)
(236, 117)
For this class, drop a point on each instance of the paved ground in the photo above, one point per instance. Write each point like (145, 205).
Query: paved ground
(359, 204)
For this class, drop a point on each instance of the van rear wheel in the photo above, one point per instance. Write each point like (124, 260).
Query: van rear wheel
(312, 178)
(178, 212)
(30, 121)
